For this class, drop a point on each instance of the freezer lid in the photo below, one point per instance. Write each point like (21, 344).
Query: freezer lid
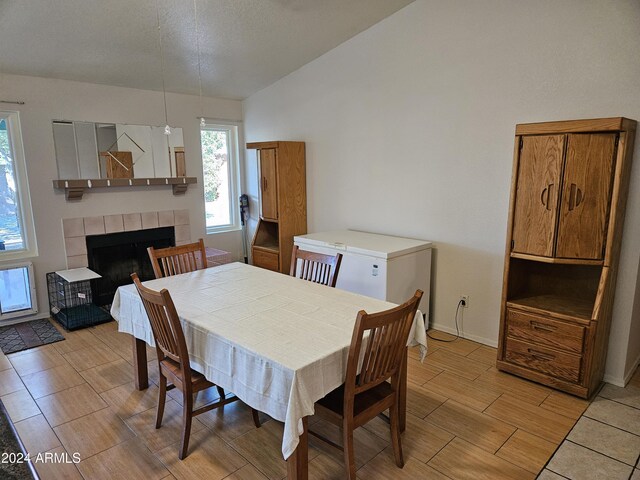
(363, 243)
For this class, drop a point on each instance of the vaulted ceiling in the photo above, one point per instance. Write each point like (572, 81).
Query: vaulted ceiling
(245, 45)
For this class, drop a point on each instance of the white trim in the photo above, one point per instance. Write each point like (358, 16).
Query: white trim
(630, 373)
(30, 249)
(32, 292)
(621, 382)
(234, 137)
(614, 380)
(475, 338)
(16, 321)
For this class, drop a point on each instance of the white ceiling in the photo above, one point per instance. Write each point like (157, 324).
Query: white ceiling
(245, 45)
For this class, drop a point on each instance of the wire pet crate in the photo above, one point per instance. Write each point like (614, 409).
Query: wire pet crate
(70, 299)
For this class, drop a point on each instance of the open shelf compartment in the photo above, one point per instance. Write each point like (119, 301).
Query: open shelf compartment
(561, 290)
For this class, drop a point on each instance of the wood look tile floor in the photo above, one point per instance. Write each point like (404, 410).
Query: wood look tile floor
(465, 420)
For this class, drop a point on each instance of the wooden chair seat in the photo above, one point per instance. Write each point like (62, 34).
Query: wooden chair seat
(366, 393)
(366, 405)
(173, 371)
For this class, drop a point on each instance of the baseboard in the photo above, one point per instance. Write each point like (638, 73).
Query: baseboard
(622, 381)
(475, 338)
(614, 380)
(14, 321)
(631, 371)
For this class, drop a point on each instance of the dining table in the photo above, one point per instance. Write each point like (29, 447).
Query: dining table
(277, 342)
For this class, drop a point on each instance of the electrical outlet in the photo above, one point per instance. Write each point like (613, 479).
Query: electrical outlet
(464, 301)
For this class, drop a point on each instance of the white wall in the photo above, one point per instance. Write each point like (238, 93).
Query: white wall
(409, 130)
(47, 99)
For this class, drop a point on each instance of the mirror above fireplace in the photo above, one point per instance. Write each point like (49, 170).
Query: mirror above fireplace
(98, 155)
(91, 150)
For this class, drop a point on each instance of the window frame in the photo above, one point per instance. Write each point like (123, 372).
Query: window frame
(234, 130)
(23, 197)
(32, 292)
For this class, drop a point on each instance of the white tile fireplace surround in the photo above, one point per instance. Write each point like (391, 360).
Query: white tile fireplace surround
(76, 229)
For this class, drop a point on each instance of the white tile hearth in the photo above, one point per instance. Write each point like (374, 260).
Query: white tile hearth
(165, 219)
(181, 217)
(183, 234)
(113, 223)
(149, 220)
(75, 246)
(77, 261)
(75, 230)
(94, 225)
(73, 227)
(132, 221)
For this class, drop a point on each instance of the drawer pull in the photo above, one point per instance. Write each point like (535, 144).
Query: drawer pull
(541, 327)
(545, 357)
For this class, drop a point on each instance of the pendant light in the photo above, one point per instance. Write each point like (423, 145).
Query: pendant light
(203, 123)
(167, 128)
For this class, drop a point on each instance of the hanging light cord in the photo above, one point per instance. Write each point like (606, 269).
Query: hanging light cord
(164, 91)
(195, 17)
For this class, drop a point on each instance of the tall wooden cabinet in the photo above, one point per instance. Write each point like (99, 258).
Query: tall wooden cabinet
(568, 196)
(283, 203)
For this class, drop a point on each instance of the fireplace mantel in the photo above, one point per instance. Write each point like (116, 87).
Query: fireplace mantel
(74, 189)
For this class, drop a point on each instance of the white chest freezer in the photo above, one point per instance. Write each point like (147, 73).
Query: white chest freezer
(379, 266)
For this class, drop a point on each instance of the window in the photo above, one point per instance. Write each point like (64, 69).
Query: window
(17, 291)
(220, 165)
(17, 238)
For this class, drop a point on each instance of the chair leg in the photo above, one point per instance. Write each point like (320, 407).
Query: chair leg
(187, 415)
(349, 457)
(256, 418)
(394, 420)
(162, 396)
(220, 392)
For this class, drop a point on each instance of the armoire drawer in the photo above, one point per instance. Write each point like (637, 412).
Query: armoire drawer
(545, 331)
(264, 259)
(546, 360)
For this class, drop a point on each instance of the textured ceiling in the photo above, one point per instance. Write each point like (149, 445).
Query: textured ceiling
(245, 45)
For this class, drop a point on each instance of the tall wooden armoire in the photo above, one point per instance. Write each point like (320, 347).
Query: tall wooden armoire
(283, 203)
(568, 196)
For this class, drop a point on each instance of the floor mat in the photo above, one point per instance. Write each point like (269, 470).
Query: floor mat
(22, 336)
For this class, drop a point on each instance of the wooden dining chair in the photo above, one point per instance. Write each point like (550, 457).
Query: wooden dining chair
(174, 260)
(366, 393)
(173, 361)
(315, 267)
(181, 259)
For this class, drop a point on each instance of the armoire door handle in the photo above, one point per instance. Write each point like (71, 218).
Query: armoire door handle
(546, 195)
(575, 196)
(264, 183)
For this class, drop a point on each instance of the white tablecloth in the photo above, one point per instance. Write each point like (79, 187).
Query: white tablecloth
(279, 343)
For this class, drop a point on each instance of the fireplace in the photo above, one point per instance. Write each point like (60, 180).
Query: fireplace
(116, 255)
(77, 231)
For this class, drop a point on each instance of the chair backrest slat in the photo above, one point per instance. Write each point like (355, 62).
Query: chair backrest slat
(171, 261)
(165, 324)
(315, 267)
(388, 333)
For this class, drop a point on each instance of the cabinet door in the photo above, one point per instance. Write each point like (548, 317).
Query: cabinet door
(268, 184)
(537, 193)
(586, 196)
